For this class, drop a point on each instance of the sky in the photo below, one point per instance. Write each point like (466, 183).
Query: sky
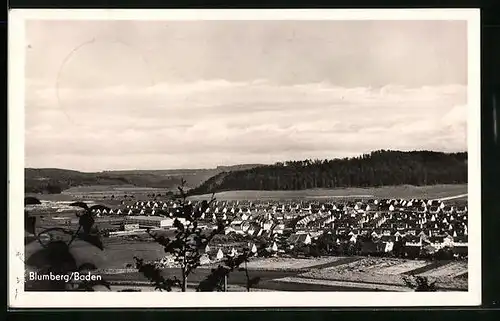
(104, 95)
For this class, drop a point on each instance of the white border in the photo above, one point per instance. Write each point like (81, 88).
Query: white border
(253, 299)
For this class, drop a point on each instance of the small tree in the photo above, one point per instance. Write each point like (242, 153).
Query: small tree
(187, 248)
(420, 283)
(55, 256)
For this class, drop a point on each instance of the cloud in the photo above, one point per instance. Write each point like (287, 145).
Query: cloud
(213, 122)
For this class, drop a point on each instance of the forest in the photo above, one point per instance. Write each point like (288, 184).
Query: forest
(379, 168)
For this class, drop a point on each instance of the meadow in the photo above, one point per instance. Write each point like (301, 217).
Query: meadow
(389, 192)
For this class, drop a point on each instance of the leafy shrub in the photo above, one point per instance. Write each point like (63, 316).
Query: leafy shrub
(55, 257)
(187, 247)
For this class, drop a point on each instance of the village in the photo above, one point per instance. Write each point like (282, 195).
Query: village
(413, 228)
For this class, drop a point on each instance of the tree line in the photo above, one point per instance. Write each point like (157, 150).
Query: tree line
(379, 168)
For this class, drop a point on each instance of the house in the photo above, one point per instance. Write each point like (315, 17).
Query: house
(278, 228)
(258, 231)
(421, 209)
(448, 209)
(251, 230)
(233, 252)
(398, 235)
(386, 207)
(434, 209)
(205, 259)
(300, 238)
(432, 202)
(360, 207)
(411, 231)
(414, 241)
(220, 255)
(436, 241)
(245, 226)
(267, 225)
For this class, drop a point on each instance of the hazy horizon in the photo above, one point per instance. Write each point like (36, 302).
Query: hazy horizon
(152, 95)
(202, 168)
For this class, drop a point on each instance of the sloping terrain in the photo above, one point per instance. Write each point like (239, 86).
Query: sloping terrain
(54, 181)
(380, 168)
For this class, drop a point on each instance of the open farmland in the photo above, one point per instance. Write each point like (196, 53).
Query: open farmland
(453, 269)
(404, 192)
(385, 271)
(289, 263)
(292, 274)
(95, 191)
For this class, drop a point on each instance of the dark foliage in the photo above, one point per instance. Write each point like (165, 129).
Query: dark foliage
(420, 284)
(31, 201)
(380, 168)
(55, 257)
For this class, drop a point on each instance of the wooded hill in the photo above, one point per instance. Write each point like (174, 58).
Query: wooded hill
(54, 180)
(379, 168)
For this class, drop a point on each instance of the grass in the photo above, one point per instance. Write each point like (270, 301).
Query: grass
(340, 261)
(289, 264)
(403, 191)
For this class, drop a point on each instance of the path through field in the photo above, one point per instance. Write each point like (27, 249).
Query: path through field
(453, 197)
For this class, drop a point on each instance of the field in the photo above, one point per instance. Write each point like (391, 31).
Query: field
(101, 193)
(384, 271)
(406, 191)
(288, 263)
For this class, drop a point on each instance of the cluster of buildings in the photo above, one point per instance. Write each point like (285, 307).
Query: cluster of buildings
(420, 222)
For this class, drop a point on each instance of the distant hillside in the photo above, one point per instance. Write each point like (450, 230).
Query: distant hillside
(380, 168)
(53, 180)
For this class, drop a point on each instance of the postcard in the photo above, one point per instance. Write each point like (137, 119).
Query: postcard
(244, 158)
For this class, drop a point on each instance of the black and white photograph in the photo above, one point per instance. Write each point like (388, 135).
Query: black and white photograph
(289, 157)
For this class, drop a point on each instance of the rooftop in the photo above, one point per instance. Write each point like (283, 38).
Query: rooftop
(150, 218)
